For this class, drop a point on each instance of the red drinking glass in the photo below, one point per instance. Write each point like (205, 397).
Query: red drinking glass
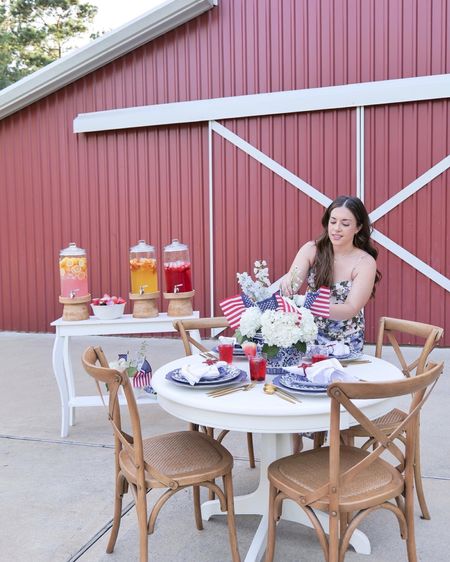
(226, 352)
(258, 367)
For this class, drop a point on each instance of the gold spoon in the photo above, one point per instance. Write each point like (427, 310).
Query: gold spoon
(269, 388)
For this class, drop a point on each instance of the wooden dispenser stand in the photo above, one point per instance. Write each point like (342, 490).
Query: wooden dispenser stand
(180, 304)
(76, 308)
(145, 305)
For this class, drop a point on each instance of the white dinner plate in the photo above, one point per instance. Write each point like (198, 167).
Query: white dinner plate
(296, 384)
(233, 375)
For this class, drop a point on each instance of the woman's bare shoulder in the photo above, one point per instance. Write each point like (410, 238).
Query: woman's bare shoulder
(309, 249)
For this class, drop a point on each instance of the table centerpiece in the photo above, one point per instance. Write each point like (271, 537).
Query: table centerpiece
(280, 327)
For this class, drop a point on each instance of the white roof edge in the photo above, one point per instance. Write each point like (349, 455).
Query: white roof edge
(273, 103)
(103, 50)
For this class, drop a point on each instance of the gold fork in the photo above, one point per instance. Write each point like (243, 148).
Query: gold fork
(228, 390)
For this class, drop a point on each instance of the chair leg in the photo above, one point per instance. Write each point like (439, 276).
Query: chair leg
(319, 439)
(418, 480)
(197, 510)
(210, 432)
(333, 539)
(297, 443)
(141, 510)
(409, 513)
(251, 450)
(120, 489)
(271, 535)
(228, 488)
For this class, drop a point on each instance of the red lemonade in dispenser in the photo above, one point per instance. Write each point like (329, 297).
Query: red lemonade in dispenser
(178, 277)
(73, 272)
(177, 268)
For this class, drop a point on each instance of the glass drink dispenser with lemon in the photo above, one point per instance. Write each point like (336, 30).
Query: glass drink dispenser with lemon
(144, 280)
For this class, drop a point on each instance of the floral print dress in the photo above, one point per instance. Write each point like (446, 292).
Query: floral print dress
(351, 331)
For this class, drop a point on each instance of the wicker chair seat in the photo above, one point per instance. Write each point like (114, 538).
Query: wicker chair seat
(203, 458)
(305, 472)
(385, 423)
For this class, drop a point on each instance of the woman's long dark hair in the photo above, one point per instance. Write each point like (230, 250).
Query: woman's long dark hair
(324, 260)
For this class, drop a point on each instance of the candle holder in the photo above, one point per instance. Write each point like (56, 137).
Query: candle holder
(75, 308)
(180, 304)
(145, 305)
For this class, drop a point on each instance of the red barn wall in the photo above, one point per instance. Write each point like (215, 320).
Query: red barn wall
(107, 190)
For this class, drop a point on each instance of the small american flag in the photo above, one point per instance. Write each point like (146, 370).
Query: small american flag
(286, 306)
(270, 303)
(144, 376)
(233, 308)
(318, 302)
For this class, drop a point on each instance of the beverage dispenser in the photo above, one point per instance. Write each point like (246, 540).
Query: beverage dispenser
(178, 279)
(73, 274)
(144, 280)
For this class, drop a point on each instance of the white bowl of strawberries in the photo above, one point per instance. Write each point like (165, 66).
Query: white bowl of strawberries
(107, 307)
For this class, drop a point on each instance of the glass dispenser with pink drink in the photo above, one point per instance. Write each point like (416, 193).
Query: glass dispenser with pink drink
(73, 272)
(177, 268)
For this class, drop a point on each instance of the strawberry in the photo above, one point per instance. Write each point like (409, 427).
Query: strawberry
(120, 300)
(95, 302)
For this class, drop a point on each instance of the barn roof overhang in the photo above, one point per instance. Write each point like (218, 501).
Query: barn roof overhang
(103, 50)
(273, 103)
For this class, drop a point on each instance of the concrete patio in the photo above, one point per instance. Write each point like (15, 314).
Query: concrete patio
(57, 494)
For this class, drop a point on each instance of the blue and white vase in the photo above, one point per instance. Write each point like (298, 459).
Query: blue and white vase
(286, 357)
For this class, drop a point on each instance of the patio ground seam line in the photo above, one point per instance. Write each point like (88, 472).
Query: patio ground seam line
(98, 535)
(55, 441)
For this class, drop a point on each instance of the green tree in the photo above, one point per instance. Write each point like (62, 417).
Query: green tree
(34, 33)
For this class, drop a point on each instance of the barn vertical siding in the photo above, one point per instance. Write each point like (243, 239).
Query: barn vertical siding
(402, 142)
(106, 190)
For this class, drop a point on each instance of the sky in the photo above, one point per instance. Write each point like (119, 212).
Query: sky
(114, 13)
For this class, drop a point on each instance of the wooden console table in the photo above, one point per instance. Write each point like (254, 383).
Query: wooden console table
(62, 365)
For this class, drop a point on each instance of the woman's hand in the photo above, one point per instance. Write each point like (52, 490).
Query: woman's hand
(293, 280)
(286, 286)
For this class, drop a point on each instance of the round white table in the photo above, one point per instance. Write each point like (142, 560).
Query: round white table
(257, 412)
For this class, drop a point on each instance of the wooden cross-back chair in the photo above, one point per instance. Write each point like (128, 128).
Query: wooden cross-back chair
(183, 327)
(173, 461)
(350, 482)
(390, 328)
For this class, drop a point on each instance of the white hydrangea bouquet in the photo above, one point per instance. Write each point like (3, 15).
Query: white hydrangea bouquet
(274, 321)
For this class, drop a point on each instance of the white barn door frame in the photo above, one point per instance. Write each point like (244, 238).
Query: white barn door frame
(323, 200)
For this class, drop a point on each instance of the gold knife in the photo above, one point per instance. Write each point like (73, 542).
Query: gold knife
(287, 394)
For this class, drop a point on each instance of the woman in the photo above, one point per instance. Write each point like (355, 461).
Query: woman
(341, 273)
